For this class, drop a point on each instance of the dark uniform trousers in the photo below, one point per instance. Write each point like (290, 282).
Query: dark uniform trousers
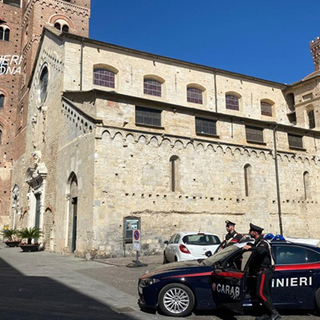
(263, 289)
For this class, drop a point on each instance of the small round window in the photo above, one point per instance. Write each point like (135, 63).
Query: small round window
(43, 84)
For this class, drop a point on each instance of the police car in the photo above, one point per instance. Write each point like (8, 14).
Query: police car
(222, 280)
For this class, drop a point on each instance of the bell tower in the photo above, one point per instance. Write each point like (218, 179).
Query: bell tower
(315, 51)
(67, 16)
(21, 26)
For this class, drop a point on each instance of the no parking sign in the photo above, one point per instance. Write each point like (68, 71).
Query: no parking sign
(136, 240)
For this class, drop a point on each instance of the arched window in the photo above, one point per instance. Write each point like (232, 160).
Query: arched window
(43, 84)
(232, 102)
(306, 185)
(4, 33)
(57, 25)
(61, 25)
(174, 160)
(312, 123)
(1, 101)
(194, 95)
(14, 3)
(65, 28)
(152, 87)
(247, 178)
(266, 108)
(290, 101)
(104, 77)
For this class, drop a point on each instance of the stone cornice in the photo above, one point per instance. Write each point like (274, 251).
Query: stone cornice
(182, 142)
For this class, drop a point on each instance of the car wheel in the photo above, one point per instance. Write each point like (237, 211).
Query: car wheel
(317, 296)
(176, 300)
(165, 260)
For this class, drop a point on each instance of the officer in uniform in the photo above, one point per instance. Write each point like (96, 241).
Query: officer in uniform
(232, 236)
(261, 269)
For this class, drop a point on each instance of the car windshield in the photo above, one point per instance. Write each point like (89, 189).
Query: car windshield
(201, 239)
(220, 255)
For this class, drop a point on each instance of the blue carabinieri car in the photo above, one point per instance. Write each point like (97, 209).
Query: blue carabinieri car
(223, 280)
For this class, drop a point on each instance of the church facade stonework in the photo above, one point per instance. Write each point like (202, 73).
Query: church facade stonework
(137, 140)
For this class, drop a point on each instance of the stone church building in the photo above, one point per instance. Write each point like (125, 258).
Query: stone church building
(116, 139)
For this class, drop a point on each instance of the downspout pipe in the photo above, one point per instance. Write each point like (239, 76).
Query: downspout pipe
(277, 177)
(215, 91)
(81, 63)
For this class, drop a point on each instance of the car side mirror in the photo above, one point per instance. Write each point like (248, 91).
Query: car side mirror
(208, 254)
(166, 242)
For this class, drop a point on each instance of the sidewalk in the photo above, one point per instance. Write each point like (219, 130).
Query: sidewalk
(124, 261)
(49, 286)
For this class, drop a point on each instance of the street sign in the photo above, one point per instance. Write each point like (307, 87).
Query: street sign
(136, 240)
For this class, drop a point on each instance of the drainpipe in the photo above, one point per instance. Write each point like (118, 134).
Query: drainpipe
(277, 178)
(81, 63)
(215, 92)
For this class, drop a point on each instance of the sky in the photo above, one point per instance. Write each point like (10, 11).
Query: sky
(267, 39)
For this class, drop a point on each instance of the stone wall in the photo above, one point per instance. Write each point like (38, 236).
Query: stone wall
(99, 165)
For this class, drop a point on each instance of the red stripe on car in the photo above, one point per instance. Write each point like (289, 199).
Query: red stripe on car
(190, 275)
(307, 266)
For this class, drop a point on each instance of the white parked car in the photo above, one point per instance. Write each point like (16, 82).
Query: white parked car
(190, 246)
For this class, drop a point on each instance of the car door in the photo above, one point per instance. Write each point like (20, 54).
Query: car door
(172, 247)
(229, 281)
(296, 275)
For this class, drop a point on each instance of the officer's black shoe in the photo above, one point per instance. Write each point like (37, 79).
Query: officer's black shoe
(275, 316)
(264, 317)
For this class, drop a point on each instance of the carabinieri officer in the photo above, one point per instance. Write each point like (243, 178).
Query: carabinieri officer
(232, 236)
(261, 267)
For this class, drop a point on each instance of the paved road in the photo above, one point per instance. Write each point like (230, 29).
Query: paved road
(48, 286)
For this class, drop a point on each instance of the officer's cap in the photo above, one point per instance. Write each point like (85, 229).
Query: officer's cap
(255, 228)
(229, 223)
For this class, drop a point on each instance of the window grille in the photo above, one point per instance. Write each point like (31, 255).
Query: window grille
(147, 116)
(232, 102)
(295, 141)
(254, 134)
(206, 126)
(266, 109)
(194, 95)
(104, 78)
(152, 87)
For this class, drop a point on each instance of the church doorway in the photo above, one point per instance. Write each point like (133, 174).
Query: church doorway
(73, 212)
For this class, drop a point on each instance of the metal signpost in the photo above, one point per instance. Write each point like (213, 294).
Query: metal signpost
(136, 247)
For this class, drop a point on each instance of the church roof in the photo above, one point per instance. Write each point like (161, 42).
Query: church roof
(312, 75)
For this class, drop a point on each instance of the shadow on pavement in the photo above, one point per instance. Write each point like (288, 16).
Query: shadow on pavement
(37, 298)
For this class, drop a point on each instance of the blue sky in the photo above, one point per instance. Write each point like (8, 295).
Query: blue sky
(268, 39)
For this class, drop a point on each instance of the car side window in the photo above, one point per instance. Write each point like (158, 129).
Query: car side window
(239, 261)
(176, 239)
(172, 239)
(290, 255)
(312, 256)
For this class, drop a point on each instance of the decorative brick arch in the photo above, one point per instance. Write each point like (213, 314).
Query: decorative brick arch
(58, 17)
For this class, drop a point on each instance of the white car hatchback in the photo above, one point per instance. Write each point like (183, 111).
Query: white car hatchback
(190, 246)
